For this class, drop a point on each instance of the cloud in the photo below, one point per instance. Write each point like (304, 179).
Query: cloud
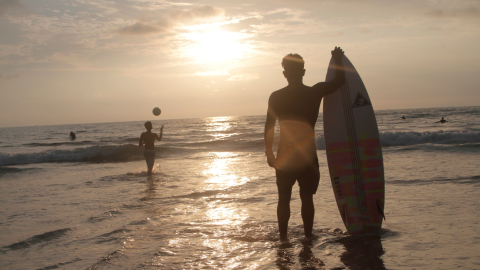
(243, 77)
(333, 34)
(6, 5)
(364, 30)
(143, 28)
(434, 28)
(212, 73)
(171, 20)
(470, 11)
(198, 13)
(9, 76)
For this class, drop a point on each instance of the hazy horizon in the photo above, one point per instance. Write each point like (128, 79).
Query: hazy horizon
(77, 61)
(158, 118)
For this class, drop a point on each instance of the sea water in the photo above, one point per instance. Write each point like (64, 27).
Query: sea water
(211, 203)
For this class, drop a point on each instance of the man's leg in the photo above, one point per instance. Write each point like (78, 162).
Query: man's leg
(308, 211)
(283, 209)
(149, 168)
(308, 181)
(285, 182)
(150, 159)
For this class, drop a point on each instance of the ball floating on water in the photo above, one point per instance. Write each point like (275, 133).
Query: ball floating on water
(156, 111)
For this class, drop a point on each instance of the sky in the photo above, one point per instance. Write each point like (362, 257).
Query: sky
(90, 61)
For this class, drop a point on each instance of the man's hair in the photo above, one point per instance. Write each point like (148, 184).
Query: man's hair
(148, 125)
(293, 61)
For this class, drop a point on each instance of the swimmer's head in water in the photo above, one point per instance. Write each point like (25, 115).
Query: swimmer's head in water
(148, 125)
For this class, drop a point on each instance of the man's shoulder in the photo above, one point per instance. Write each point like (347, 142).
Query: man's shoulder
(279, 92)
(318, 85)
(287, 91)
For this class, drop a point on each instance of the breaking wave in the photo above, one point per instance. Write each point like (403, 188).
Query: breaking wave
(131, 152)
(388, 138)
(88, 154)
(439, 137)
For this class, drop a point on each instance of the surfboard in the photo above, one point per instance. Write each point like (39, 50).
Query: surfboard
(354, 154)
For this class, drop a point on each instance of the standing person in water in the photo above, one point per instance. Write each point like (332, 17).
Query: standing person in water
(296, 107)
(148, 138)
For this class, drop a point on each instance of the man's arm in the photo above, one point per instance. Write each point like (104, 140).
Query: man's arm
(332, 85)
(161, 134)
(269, 134)
(141, 142)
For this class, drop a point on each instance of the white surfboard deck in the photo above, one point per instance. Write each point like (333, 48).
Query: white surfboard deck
(354, 153)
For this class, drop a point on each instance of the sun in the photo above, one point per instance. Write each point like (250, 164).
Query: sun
(216, 45)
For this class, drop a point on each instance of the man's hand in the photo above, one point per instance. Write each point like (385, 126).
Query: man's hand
(161, 129)
(337, 54)
(270, 159)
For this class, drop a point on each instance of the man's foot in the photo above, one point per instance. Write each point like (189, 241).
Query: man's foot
(309, 238)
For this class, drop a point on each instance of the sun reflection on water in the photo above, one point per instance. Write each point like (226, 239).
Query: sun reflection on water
(223, 215)
(219, 136)
(218, 127)
(219, 123)
(221, 174)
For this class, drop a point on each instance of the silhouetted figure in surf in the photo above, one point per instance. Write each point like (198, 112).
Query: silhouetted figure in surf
(296, 107)
(72, 135)
(148, 138)
(442, 121)
(403, 117)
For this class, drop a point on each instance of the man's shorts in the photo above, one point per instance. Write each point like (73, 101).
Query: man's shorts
(149, 157)
(307, 178)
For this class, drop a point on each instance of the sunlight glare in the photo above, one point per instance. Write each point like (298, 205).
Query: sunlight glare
(220, 172)
(219, 123)
(215, 45)
(223, 215)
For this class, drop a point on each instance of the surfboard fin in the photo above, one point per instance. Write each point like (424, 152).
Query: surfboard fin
(379, 208)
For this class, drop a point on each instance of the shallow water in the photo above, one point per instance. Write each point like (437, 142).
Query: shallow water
(212, 205)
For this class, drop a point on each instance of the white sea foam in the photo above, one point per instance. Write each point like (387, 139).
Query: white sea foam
(126, 152)
(440, 137)
(398, 138)
(89, 154)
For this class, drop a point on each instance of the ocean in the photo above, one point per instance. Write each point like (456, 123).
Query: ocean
(211, 203)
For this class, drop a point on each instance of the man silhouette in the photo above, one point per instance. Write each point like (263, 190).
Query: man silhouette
(148, 138)
(296, 107)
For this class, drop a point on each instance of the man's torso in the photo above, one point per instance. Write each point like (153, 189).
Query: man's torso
(297, 112)
(149, 139)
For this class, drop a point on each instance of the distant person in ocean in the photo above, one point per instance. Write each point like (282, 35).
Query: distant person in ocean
(403, 117)
(442, 121)
(148, 138)
(296, 107)
(72, 135)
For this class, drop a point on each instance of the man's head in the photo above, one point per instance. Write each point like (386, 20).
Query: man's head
(148, 125)
(293, 65)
